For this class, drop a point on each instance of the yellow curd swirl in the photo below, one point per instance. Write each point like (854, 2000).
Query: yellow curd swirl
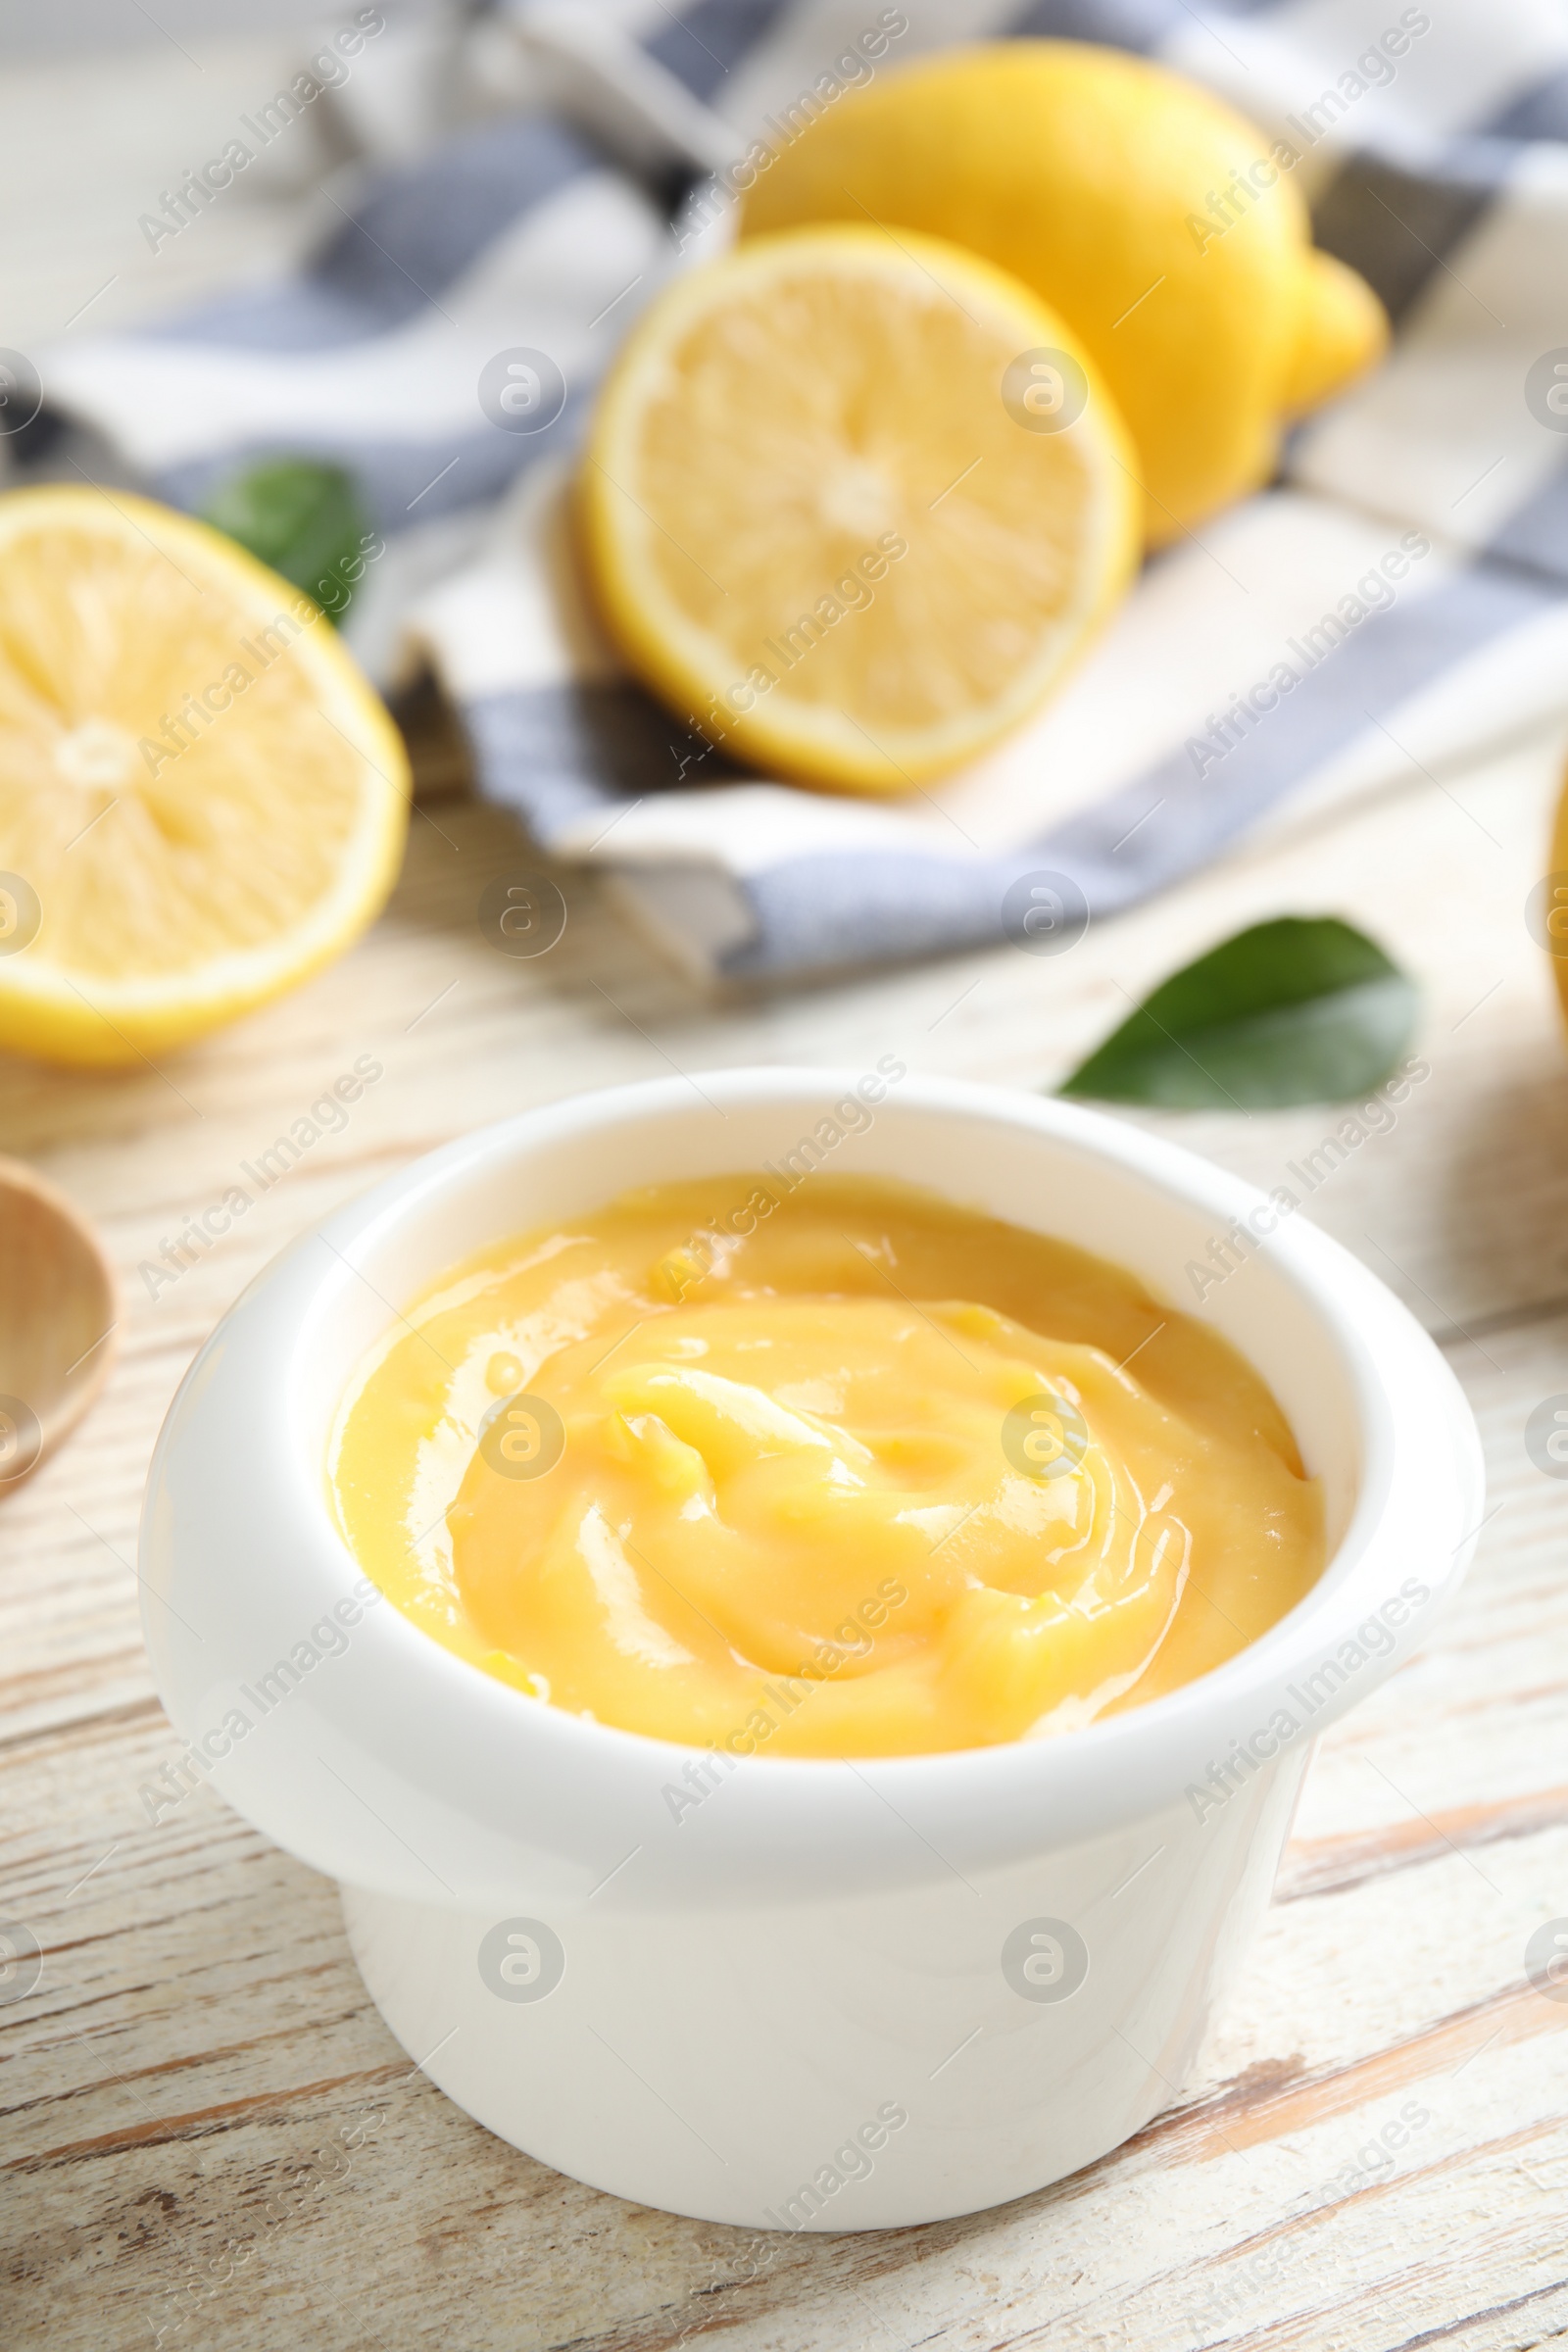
(844, 1470)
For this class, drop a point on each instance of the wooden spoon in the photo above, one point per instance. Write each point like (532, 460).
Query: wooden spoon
(58, 1316)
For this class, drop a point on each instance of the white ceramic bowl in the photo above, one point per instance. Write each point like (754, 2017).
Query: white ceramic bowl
(833, 1994)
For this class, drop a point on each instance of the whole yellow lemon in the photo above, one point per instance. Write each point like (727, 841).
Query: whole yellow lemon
(1163, 227)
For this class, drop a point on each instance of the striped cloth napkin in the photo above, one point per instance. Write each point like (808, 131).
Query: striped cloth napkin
(1399, 596)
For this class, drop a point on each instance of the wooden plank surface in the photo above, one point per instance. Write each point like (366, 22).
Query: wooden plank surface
(209, 2137)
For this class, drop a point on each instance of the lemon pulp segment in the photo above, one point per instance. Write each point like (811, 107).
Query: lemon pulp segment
(818, 530)
(201, 798)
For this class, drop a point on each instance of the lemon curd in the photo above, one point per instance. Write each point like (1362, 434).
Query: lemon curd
(835, 1470)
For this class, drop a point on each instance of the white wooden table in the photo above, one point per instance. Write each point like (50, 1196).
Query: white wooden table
(176, 2092)
(207, 2137)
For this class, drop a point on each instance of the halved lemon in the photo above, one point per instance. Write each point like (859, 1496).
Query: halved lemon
(853, 504)
(200, 799)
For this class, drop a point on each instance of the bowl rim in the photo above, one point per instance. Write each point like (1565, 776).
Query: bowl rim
(1420, 1491)
(396, 1197)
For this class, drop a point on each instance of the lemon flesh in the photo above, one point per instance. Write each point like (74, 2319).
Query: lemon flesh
(200, 799)
(817, 529)
(1552, 933)
(1168, 233)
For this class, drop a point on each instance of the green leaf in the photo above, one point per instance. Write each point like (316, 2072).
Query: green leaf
(303, 518)
(1302, 1009)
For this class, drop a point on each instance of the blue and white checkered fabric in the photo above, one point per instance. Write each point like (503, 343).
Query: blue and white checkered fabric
(1410, 568)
